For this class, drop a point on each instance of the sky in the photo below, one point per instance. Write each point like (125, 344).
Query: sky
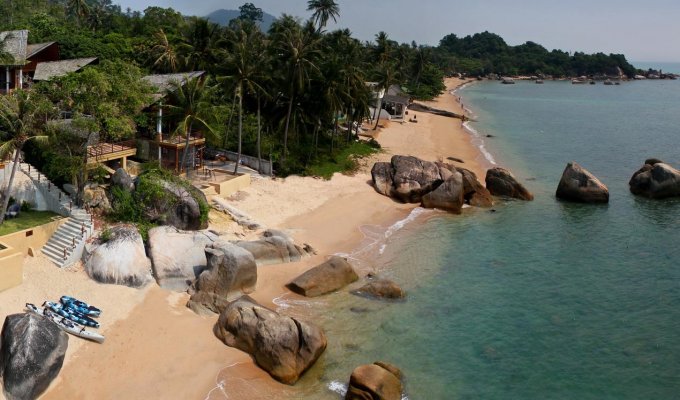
(642, 31)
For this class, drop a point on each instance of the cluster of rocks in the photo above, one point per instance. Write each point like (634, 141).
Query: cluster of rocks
(377, 381)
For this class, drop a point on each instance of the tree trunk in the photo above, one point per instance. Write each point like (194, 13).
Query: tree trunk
(226, 133)
(378, 118)
(259, 135)
(5, 201)
(335, 130)
(186, 150)
(285, 132)
(240, 127)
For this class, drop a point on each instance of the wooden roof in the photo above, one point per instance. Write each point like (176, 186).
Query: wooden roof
(162, 83)
(45, 71)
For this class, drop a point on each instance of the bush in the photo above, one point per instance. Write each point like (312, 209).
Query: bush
(26, 206)
(106, 235)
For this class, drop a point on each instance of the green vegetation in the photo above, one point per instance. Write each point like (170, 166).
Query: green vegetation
(26, 220)
(345, 161)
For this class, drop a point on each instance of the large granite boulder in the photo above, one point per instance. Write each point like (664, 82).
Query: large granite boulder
(501, 182)
(178, 256)
(474, 193)
(578, 184)
(382, 174)
(123, 180)
(275, 247)
(285, 347)
(119, 258)
(656, 180)
(327, 277)
(178, 206)
(413, 178)
(377, 381)
(231, 273)
(32, 351)
(448, 195)
(380, 288)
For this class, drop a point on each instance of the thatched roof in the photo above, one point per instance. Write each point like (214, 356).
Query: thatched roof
(162, 83)
(33, 49)
(14, 43)
(47, 70)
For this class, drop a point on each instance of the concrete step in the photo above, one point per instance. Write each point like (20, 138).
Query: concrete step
(54, 253)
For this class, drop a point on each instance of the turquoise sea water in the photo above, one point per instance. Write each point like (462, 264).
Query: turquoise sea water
(542, 299)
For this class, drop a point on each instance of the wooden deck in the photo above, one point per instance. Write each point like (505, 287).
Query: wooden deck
(104, 152)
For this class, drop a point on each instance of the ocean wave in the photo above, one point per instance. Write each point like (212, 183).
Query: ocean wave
(479, 142)
(338, 387)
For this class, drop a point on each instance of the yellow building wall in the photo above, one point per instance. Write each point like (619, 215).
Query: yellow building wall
(11, 267)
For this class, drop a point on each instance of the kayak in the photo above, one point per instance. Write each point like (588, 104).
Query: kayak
(80, 306)
(71, 314)
(65, 324)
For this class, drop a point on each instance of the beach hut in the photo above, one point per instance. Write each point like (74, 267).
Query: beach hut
(46, 71)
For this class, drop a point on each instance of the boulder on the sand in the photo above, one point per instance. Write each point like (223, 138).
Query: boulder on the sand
(382, 174)
(123, 180)
(474, 193)
(178, 256)
(377, 381)
(179, 206)
(283, 346)
(231, 273)
(381, 289)
(275, 247)
(413, 178)
(327, 277)
(121, 259)
(656, 181)
(501, 182)
(32, 351)
(578, 184)
(447, 196)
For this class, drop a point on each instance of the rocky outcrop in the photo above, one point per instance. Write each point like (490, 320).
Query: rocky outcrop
(578, 184)
(231, 273)
(327, 277)
(95, 198)
(433, 184)
(285, 347)
(123, 180)
(379, 288)
(275, 247)
(179, 207)
(121, 259)
(656, 180)
(178, 256)
(377, 381)
(501, 182)
(32, 351)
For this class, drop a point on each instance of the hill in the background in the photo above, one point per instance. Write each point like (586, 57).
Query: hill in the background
(222, 17)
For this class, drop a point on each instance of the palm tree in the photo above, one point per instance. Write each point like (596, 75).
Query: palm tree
(385, 75)
(189, 102)
(323, 11)
(20, 121)
(299, 49)
(78, 8)
(164, 53)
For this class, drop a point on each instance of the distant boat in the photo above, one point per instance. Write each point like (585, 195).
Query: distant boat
(578, 81)
(507, 81)
(592, 82)
(608, 82)
(539, 81)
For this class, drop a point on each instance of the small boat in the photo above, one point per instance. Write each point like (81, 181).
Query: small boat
(80, 306)
(577, 81)
(507, 81)
(71, 314)
(608, 82)
(592, 82)
(539, 81)
(65, 324)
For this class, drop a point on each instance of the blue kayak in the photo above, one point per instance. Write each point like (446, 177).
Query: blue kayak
(71, 314)
(80, 306)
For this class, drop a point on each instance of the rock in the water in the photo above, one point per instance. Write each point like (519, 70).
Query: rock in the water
(32, 351)
(656, 181)
(653, 161)
(274, 248)
(501, 182)
(447, 196)
(474, 193)
(578, 184)
(231, 273)
(285, 347)
(94, 197)
(383, 178)
(413, 178)
(327, 277)
(178, 256)
(123, 180)
(381, 289)
(378, 381)
(121, 260)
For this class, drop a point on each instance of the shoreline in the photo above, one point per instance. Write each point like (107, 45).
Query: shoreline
(173, 351)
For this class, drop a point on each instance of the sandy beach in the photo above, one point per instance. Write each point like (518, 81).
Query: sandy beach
(157, 348)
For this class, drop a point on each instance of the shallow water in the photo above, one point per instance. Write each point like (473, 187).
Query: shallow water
(542, 299)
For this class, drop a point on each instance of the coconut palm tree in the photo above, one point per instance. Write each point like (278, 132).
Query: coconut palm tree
(78, 8)
(20, 121)
(323, 11)
(188, 101)
(163, 51)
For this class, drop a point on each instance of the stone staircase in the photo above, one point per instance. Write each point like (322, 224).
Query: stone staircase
(66, 245)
